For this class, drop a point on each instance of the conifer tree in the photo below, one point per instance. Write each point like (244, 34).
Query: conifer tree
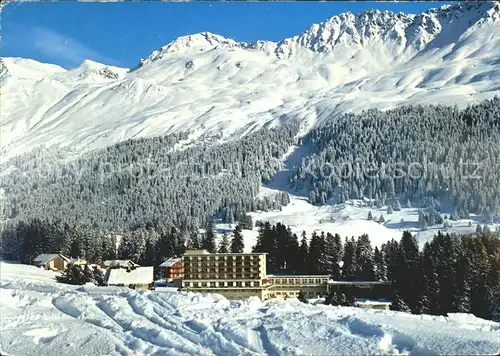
(224, 244)
(266, 242)
(380, 268)
(408, 265)
(316, 258)
(194, 241)
(303, 254)
(495, 304)
(364, 259)
(333, 249)
(208, 240)
(245, 221)
(237, 244)
(349, 265)
(293, 255)
(398, 304)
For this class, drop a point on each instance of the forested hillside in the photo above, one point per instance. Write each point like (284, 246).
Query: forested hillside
(142, 183)
(412, 152)
(430, 155)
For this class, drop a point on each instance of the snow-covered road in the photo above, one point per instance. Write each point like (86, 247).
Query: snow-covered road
(39, 316)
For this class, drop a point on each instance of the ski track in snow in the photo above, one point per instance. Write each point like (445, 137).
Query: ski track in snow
(40, 316)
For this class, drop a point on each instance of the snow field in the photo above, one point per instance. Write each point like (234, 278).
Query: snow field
(46, 317)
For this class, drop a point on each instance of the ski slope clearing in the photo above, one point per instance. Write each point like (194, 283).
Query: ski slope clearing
(350, 219)
(207, 84)
(40, 316)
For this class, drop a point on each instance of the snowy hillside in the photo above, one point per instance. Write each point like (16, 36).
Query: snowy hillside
(349, 219)
(208, 84)
(40, 316)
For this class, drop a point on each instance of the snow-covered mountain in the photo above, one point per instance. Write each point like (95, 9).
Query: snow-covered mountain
(208, 84)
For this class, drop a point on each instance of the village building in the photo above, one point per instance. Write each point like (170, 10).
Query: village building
(119, 264)
(51, 261)
(284, 286)
(242, 275)
(234, 275)
(171, 269)
(77, 262)
(134, 278)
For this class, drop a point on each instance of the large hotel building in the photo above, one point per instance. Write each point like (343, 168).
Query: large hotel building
(241, 275)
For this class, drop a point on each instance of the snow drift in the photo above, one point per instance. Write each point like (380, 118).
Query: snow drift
(40, 316)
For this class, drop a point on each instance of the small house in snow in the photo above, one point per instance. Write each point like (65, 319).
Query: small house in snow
(120, 264)
(51, 261)
(172, 268)
(77, 262)
(136, 278)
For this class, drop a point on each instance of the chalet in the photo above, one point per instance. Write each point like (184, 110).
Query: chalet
(119, 264)
(136, 278)
(51, 261)
(172, 268)
(77, 262)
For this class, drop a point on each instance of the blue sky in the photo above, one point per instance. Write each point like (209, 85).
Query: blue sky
(66, 33)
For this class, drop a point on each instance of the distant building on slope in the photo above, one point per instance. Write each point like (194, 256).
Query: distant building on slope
(51, 261)
(136, 278)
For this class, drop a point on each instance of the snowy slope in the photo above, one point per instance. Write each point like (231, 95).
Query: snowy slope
(349, 220)
(44, 317)
(208, 84)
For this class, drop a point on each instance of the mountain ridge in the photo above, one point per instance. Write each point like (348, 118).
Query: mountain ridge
(207, 84)
(367, 20)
